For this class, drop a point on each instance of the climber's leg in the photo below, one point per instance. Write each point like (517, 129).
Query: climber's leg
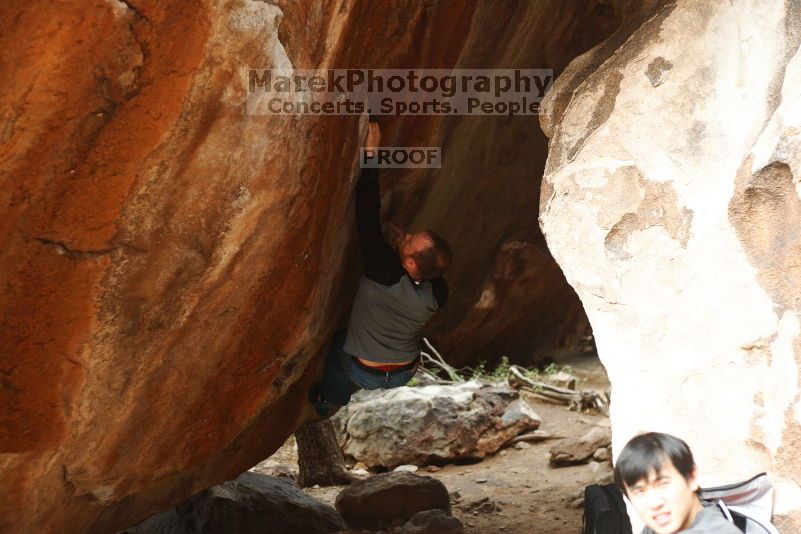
(336, 387)
(344, 375)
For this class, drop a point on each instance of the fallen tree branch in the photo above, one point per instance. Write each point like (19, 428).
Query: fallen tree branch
(546, 395)
(436, 358)
(452, 377)
(544, 387)
(576, 400)
(433, 376)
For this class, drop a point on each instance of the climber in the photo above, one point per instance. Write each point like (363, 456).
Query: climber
(401, 288)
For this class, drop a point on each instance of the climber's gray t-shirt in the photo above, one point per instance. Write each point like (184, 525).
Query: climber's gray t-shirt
(386, 322)
(390, 309)
(707, 521)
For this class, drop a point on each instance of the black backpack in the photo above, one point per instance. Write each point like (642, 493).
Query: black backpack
(605, 511)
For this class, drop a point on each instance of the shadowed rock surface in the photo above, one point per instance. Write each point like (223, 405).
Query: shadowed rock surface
(250, 504)
(432, 522)
(381, 500)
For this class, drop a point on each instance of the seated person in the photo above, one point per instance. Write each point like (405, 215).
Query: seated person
(401, 288)
(657, 473)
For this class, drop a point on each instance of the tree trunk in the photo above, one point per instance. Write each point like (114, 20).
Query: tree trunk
(320, 459)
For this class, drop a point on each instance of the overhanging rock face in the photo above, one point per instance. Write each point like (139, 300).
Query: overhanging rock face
(672, 202)
(171, 266)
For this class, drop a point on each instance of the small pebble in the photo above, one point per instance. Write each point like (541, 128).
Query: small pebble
(481, 480)
(520, 445)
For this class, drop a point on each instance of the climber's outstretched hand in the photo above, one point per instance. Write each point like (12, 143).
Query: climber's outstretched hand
(373, 139)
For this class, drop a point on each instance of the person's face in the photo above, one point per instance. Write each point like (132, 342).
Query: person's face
(665, 500)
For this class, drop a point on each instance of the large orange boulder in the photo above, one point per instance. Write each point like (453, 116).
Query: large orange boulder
(171, 266)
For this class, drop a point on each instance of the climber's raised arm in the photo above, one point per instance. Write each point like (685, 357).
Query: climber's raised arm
(381, 262)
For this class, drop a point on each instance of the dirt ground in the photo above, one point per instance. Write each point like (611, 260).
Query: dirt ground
(523, 493)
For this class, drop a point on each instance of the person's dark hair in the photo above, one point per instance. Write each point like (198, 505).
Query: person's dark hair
(434, 259)
(647, 453)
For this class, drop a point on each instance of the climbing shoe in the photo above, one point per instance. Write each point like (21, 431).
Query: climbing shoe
(316, 399)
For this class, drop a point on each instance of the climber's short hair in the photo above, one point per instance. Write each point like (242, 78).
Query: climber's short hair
(432, 261)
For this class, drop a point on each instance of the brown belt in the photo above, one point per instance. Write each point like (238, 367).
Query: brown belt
(383, 369)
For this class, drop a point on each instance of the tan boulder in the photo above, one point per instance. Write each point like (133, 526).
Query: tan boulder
(671, 201)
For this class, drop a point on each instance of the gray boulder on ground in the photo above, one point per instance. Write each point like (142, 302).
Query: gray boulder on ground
(570, 451)
(484, 505)
(389, 499)
(432, 522)
(251, 504)
(418, 425)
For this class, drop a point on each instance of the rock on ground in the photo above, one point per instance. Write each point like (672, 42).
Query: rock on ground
(251, 504)
(415, 425)
(571, 451)
(390, 498)
(432, 522)
(522, 493)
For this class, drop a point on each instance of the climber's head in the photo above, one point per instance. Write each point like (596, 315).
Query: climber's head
(425, 255)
